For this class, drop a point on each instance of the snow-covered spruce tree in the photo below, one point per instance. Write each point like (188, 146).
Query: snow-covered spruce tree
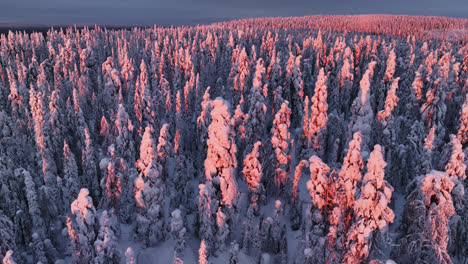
(107, 242)
(297, 176)
(206, 211)
(317, 122)
(417, 85)
(371, 211)
(178, 231)
(57, 120)
(111, 182)
(386, 131)
(390, 102)
(434, 109)
(294, 91)
(112, 85)
(280, 141)
(43, 141)
(362, 111)
(83, 234)
(143, 102)
(8, 259)
(390, 69)
(253, 174)
(222, 230)
(124, 158)
(251, 243)
(425, 162)
(463, 128)
(71, 184)
(318, 183)
(424, 227)
(456, 170)
(239, 74)
(90, 176)
(255, 123)
(346, 188)
(164, 150)
(7, 234)
(234, 253)
(202, 253)
(124, 144)
(203, 121)
(220, 162)
(274, 241)
(129, 256)
(240, 119)
(36, 213)
(149, 193)
(314, 230)
(350, 174)
(342, 100)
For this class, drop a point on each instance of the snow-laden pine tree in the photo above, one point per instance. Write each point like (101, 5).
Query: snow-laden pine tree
(253, 174)
(314, 232)
(8, 259)
(234, 253)
(371, 211)
(106, 243)
(424, 227)
(346, 187)
(112, 85)
(203, 122)
(129, 256)
(342, 98)
(202, 253)
(294, 89)
(318, 183)
(206, 211)
(239, 74)
(222, 230)
(463, 127)
(434, 109)
(43, 141)
(317, 122)
(71, 183)
(456, 170)
(123, 158)
(390, 102)
(178, 231)
(111, 182)
(390, 69)
(143, 102)
(124, 144)
(220, 162)
(35, 211)
(7, 242)
(255, 123)
(149, 193)
(280, 141)
(83, 231)
(350, 174)
(362, 113)
(164, 149)
(90, 175)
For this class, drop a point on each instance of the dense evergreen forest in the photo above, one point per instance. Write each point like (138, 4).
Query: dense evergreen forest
(319, 139)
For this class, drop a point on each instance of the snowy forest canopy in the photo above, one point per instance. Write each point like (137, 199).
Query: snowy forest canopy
(323, 139)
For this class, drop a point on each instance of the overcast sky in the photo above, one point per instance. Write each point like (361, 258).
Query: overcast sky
(177, 12)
